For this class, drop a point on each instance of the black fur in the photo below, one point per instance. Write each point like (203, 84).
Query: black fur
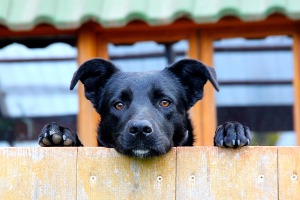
(145, 114)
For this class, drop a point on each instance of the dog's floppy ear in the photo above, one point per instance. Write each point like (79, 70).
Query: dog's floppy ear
(193, 75)
(93, 74)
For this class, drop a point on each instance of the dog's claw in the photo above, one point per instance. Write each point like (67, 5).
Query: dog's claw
(52, 132)
(233, 142)
(221, 143)
(248, 141)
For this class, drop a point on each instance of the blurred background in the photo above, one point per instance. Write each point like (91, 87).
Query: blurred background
(255, 77)
(255, 84)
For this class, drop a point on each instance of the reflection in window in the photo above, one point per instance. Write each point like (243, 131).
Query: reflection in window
(34, 89)
(146, 56)
(256, 89)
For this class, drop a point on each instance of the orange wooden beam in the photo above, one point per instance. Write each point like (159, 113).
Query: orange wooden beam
(87, 116)
(196, 110)
(296, 82)
(208, 105)
(203, 114)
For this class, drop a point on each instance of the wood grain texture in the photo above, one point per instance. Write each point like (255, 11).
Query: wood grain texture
(215, 173)
(105, 174)
(184, 173)
(289, 173)
(38, 173)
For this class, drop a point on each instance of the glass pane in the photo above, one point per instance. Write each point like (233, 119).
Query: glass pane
(147, 55)
(34, 88)
(255, 77)
(255, 65)
(282, 138)
(241, 95)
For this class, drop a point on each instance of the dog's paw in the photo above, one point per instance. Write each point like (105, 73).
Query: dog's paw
(55, 135)
(232, 134)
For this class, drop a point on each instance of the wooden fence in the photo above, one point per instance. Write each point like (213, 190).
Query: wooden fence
(184, 173)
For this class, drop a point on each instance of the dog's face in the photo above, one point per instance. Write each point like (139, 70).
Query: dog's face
(144, 114)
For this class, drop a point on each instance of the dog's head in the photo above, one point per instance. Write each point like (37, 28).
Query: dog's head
(145, 113)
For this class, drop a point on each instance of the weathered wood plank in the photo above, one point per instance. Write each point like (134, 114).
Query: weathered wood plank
(289, 171)
(105, 174)
(215, 173)
(184, 173)
(38, 173)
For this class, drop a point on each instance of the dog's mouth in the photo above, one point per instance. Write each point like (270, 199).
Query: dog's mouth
(141, 153)
(142, 146)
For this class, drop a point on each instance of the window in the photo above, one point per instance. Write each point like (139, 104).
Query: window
(147, 55)
(256, 89)
(34, 88)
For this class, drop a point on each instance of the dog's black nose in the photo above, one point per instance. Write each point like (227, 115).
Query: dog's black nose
(142, 127)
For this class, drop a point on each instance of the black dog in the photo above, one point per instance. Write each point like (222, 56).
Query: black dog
(145, 114)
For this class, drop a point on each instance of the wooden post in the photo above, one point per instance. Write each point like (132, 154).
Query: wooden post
(87, 116)
(102, 47)
(296, 51)
(204, 112)
(195, 111)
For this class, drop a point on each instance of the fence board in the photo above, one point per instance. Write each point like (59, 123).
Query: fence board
(289, 171)
(105, 174)
(184, 173)
(38, 173)
(218, 173)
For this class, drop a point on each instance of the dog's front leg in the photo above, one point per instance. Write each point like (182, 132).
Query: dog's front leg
(232, 134)
(54, 135)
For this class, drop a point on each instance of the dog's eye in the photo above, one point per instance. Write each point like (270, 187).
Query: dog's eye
(119, 105)
(165, 103)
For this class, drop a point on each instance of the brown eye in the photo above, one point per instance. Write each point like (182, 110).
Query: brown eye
(119, 105)
(165, 103)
